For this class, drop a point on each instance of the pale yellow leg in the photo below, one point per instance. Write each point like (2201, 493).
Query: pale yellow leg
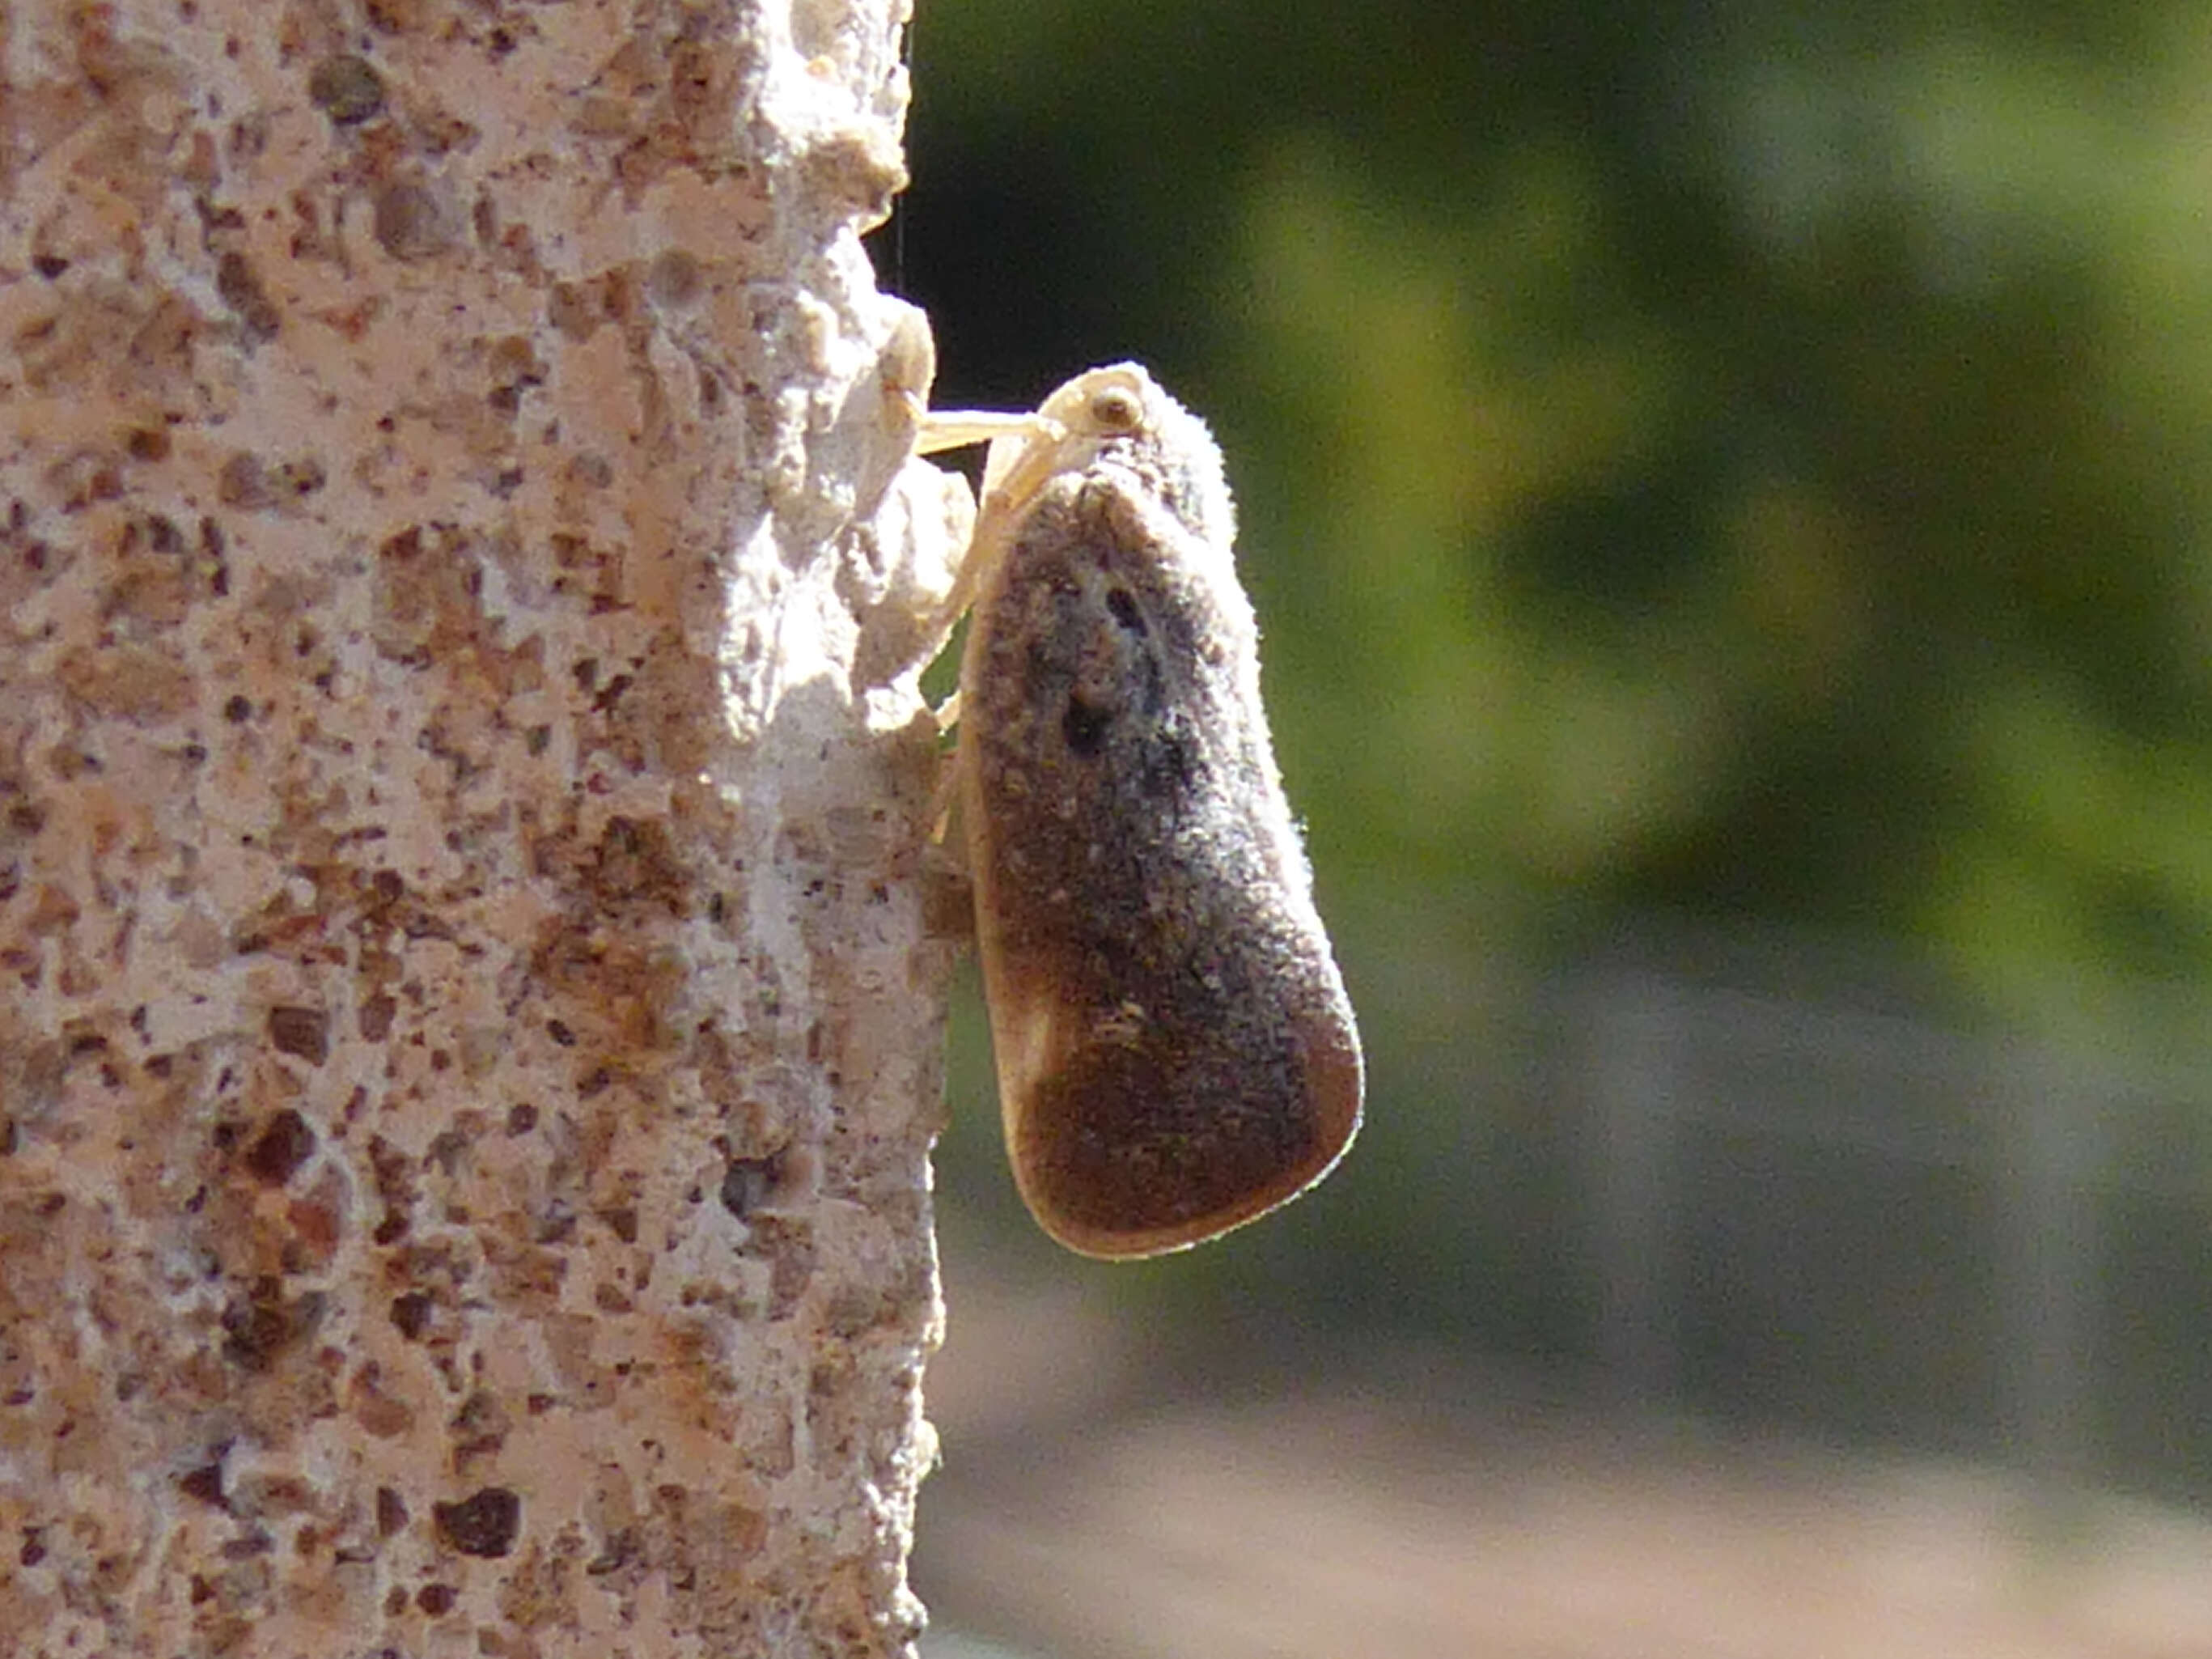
(943, 429)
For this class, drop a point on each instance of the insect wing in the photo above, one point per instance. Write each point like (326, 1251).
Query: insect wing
(1174, 1049)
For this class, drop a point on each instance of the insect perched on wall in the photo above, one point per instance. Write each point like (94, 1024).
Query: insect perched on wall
(1174, 1049)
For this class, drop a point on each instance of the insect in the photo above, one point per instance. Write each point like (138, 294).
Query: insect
(1174, 1049)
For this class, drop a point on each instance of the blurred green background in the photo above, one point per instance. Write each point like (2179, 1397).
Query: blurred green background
(1724, 489)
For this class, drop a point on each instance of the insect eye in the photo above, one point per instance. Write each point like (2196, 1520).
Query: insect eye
(1116, 410)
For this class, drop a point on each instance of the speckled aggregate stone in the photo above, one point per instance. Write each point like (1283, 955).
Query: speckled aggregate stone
(468, 1029)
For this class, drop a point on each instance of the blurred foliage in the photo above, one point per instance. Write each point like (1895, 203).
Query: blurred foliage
(1746, 462)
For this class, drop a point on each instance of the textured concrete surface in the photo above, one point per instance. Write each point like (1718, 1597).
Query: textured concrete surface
(468, 1026)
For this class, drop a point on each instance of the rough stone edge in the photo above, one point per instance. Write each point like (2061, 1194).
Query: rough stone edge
(315, 1241)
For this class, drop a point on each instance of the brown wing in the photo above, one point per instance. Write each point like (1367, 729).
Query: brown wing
(1175, 1053)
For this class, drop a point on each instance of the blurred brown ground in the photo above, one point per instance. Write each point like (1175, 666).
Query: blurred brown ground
(1102, 1498)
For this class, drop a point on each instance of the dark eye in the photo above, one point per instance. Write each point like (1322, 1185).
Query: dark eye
(1116, 410)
